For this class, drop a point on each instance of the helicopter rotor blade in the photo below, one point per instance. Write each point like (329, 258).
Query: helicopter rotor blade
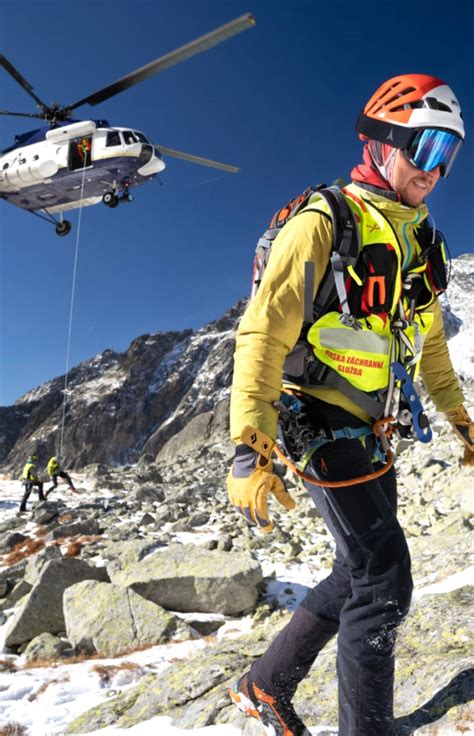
(198, 159)
(23, 114)
(8, 66)
(168, 60)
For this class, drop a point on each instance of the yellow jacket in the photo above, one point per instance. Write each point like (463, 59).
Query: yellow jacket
(53, 467)
(29, 471)
(272, 322)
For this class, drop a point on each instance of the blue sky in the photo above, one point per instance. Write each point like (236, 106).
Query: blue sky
(280, 101)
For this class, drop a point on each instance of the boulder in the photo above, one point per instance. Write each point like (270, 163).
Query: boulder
(45, 646)
(45, 511)
(15, 594)
(10, 575)
(147, 519)
(83, 526)
(184, 578)
(9, 540)
(150, 494)
(120, 619)
(36, 563)
(42, 608)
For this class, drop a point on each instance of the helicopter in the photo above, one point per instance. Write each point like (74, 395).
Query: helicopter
(68, 163)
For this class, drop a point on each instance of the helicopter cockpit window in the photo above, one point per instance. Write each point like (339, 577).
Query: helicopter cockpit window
(113, 138)
(142, 138)
(129, 137)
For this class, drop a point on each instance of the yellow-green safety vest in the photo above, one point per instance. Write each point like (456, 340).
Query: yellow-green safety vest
(383, 330)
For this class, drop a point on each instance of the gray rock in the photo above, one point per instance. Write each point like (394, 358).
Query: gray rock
(225, 543)
(45, 646)
(84, 526)
(11, 523)
(131, 551)
(164, 516)
(151, 494)
(147, 519)
(199, 519)
(16, 594)
(42, 608)
(10, 540)
(190, 578)
(119, 620)
(45, 511)
(9, 576)
(36, 563)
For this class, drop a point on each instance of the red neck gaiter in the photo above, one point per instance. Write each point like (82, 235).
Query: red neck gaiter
(368, 174)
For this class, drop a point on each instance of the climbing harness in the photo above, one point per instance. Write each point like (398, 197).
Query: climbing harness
(305, 442)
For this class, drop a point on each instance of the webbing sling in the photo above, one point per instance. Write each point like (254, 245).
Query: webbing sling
(371, 406)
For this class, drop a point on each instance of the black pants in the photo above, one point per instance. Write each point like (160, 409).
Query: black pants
(364, 599)
(61, 474)
(29, 485)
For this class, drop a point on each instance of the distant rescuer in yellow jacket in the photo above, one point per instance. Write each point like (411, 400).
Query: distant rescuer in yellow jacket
(350, 369)
(55, 471)
(31, 480)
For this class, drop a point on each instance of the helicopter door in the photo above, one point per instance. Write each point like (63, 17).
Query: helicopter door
(80, 153)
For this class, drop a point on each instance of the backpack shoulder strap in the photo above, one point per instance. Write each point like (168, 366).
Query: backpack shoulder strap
(345, 251)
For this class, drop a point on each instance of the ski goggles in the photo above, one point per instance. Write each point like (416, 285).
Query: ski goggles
(433, 147)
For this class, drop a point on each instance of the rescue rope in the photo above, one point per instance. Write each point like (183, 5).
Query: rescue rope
(381, 428)
(71, 312)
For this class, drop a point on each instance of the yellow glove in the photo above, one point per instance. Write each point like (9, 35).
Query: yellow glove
(464, 429)
(251, 479)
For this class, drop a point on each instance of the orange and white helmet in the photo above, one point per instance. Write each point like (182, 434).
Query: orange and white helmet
(411, 109)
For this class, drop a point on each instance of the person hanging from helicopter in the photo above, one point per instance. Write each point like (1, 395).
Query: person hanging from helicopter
(31, 480)
(84, 150)
(55, 471)
(80, 153)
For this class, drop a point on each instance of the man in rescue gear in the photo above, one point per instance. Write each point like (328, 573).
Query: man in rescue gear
(55, 471)
(30, 480)
(387, 319)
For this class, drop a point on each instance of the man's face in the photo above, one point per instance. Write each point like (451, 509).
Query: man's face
(412, 184)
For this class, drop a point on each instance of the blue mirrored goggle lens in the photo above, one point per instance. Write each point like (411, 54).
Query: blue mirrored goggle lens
(432, 148)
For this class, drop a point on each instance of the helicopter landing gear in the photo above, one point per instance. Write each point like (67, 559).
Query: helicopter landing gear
(110, 199)
(63, 228)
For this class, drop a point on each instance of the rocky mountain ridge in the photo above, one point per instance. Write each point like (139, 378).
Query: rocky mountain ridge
(121, 406)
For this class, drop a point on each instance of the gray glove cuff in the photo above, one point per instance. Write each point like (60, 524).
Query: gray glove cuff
(245, 461)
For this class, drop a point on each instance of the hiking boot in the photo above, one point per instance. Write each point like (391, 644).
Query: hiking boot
(276, 713)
